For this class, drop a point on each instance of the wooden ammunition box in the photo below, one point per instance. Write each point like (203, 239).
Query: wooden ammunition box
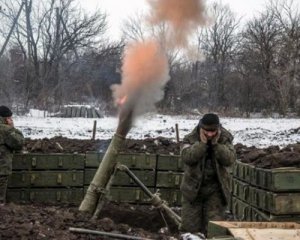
(241, 190)
(169, 179)
(172, 196)
(169, 162)
(138, 160)
(263, 216)
(93, 159)
(243, 171)
(131, 160)
(46, 195)
(278, 179)
(275, 203)
(129, 195)
(122, 179)
(48, 161)
(241, 210)
(23, 179)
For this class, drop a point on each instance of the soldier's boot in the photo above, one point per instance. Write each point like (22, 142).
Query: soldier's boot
(3, 188)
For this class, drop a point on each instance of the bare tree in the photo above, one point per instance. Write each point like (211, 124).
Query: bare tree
(218, 42)
(287, 69)
(50, 32)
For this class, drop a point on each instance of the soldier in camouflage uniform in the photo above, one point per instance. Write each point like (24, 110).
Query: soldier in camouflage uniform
(11, 139)
(207, 153)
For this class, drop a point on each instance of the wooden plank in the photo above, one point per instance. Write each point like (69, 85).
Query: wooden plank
(265, 234)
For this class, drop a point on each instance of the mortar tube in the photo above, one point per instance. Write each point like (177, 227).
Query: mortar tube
(155, 199)
(97, 189)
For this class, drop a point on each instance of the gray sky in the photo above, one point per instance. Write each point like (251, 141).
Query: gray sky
(118, 10)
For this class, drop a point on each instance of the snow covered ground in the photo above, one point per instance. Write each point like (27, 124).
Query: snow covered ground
(260, 132)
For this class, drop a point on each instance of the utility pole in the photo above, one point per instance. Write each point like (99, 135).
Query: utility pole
(12, 28)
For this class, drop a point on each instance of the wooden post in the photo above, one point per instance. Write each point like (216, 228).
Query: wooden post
(177, 132)
(94, 130)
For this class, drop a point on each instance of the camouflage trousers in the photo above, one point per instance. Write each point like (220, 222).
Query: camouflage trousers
(208, 206)
(3, 188)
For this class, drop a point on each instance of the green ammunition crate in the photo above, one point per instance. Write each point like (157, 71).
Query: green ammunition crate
(241, 190)
(169, 179)
(22, 179)
(48, 195)
(235, 170)
(122, 179)
(169, 162)
(278, 179)
(262, 216)
(138, 160)
(243, 171)
(230, 183)
(172, 196)
(275, 203)
(48, 161)
(241, 210)
(129, 195)
(131, 160)
(93, 159)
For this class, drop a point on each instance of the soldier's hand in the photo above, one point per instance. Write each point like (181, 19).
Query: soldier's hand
(10, 122)
(216, 138)
(203, 138)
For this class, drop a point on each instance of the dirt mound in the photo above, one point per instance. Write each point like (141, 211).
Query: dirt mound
(65, 145)
(271, 157)
(53, 222)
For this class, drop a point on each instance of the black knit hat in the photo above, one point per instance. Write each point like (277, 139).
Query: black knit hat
(210, 122)
(5, 111)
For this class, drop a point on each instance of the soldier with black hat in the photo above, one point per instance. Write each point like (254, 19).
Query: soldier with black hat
(207, 153)
(11, 139)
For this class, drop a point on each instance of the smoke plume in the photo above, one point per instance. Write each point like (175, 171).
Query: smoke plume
(145, 69)
(145, 72)
(183, 17)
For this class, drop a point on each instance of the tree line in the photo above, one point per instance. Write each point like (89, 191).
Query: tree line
(58, 54)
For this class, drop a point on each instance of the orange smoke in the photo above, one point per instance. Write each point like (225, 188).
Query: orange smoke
(144, 74)
(184, 16)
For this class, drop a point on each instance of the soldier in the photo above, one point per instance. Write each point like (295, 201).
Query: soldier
(10, 139)
(207, 153)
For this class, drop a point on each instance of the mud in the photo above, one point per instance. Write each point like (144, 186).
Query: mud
(53, 222)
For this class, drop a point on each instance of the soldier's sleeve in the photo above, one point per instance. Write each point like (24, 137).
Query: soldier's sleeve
(225, 154)
(192, 153)
(14, 139)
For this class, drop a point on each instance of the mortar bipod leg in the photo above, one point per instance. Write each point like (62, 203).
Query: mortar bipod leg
(105, 191)
(155, 199)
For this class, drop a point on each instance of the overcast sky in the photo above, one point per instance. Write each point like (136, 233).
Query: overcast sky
(118, 10)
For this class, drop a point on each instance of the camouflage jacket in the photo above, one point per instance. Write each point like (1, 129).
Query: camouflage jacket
(194, 156)
(11, 139)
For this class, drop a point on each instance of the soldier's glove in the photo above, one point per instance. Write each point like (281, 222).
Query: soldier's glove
(203, 138)
(216, 138)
